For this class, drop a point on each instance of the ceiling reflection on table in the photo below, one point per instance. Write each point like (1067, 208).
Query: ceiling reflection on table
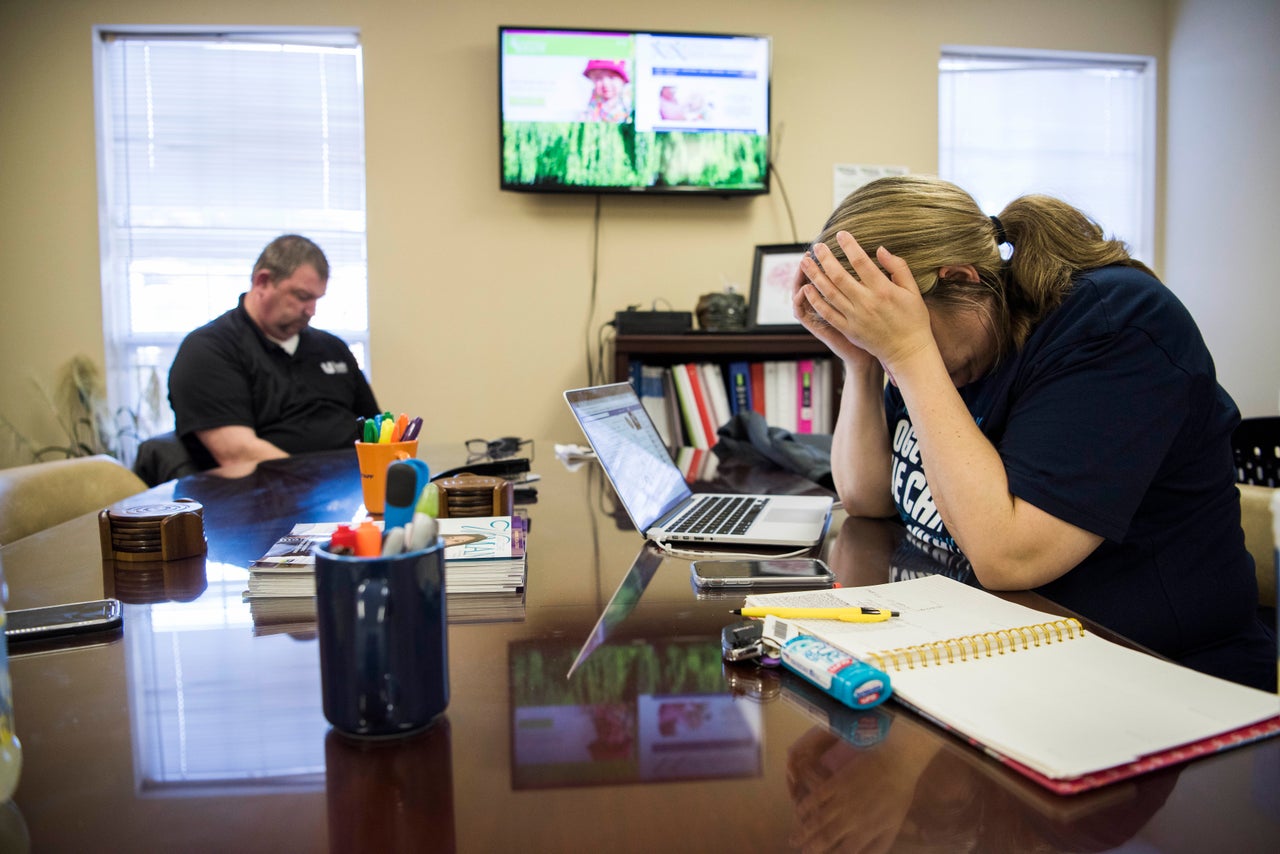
(200, 724)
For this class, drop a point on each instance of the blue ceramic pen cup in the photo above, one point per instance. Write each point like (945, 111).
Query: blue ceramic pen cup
(384, 657)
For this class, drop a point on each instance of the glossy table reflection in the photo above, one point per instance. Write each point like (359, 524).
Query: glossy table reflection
(192, 729)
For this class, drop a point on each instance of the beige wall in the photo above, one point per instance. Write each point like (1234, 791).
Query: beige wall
(478, 298)
(1224, 185)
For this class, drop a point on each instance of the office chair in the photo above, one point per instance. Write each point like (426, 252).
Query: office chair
(162, 458)
(1256, 446)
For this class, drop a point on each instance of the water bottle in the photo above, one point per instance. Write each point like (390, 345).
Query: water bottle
(10, 749)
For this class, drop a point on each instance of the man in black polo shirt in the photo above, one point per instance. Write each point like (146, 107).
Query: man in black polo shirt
(258, 383)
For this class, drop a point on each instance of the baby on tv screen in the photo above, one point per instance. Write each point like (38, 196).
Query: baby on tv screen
(612, 111)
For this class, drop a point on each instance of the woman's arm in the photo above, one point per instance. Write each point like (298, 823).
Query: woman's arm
(860, 458)
(1011, 544)
(860, 453)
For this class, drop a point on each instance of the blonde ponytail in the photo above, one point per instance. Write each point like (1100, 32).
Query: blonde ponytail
(1052, 242)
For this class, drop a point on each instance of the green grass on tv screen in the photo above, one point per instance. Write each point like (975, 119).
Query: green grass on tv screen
(594, 154)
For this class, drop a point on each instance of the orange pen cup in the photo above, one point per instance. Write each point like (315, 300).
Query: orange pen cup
(374, 458)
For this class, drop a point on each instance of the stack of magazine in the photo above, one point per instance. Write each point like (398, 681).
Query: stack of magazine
(485, 571)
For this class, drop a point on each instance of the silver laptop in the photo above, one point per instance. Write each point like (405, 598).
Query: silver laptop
(655, 493)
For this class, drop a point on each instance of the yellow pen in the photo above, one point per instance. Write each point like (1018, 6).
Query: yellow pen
(384, 431)
(847, 615)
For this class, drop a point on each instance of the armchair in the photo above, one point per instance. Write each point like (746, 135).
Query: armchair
(1256, 446)
(41, 495)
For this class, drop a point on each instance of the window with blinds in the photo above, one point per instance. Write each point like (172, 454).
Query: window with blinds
(211, 144)
(1077, 126)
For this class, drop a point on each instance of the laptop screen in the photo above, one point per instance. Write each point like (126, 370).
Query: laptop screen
(630, 450)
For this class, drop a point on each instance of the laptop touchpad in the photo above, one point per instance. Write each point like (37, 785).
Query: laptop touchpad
(786, 516)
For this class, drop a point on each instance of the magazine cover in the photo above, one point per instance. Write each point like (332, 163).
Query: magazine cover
(474, 538)
(482, 538)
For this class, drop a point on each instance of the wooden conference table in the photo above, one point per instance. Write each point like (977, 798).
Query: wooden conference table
(193, 730)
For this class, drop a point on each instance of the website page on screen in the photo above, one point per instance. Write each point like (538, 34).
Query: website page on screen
(633, 454)
(611, 110)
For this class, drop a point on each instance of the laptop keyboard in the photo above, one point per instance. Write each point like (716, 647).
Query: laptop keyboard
(724, 514)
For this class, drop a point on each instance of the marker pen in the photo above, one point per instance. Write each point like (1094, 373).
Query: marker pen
(397, 431)
(405, 481)
(343, 540)
(422, 532)
(429, 501)
(412, 429)
(368, 540)
(394, 542)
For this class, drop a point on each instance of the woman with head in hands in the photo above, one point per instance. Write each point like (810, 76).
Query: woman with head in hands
(1051, 412)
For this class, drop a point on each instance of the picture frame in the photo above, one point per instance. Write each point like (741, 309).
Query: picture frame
(772, 273)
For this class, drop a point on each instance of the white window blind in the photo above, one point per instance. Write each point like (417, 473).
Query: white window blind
(1077, 126)
(209, 146)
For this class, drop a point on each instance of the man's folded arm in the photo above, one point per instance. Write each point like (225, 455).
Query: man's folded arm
(236, 446)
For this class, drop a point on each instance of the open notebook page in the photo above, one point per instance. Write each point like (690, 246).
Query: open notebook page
(1064, 708)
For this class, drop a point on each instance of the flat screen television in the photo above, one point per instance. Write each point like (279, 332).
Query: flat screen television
(630, 111)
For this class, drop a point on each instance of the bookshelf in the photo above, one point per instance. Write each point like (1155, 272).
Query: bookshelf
(773, 359)
(711, 347)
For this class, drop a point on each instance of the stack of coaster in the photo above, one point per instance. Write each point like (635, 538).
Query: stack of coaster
(140, 582)
(141, 529)
(474, 495)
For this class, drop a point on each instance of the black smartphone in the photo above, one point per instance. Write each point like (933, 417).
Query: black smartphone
(761, 572)
(59, 620)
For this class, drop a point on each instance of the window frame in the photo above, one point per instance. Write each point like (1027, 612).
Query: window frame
(1143, 243)
(137, 387)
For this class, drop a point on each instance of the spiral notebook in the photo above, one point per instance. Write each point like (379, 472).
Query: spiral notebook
(1059, 704)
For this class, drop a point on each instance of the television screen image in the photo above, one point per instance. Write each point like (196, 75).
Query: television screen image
(629, 111)
(636, 711)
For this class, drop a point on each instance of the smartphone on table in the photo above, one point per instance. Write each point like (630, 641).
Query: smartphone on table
(54, 621)
(761, 572)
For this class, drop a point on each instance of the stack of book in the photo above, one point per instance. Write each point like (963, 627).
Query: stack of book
(485, 570)
(689, 402)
